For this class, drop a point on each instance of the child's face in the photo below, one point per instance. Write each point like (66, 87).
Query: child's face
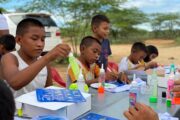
(32, 42)
(153, 56)
(138, 56)
(91, 53)
(101, 31)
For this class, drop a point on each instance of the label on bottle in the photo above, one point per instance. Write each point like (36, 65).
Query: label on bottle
(132, 98)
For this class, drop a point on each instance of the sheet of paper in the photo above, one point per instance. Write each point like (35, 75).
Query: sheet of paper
(166, 116)
(119, 89)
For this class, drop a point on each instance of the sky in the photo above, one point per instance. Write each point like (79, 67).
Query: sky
(154, 6)
(147, 6)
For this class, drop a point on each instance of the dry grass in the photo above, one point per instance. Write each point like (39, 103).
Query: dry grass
(168, 53)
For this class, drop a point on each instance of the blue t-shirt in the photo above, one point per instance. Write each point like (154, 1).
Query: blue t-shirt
(105, 52)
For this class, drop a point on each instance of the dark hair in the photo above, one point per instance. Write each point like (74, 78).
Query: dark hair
(8, 41)
(138, 46)
(88, 40)
(25, 24)
(151, 49)
(98, 19)
(7, 104)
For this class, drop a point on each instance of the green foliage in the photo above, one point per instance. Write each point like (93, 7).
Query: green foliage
(177, 40)
(164, 24)
(2, 10)
(76, 17)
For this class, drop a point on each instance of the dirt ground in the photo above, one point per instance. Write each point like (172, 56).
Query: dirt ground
(168, 53)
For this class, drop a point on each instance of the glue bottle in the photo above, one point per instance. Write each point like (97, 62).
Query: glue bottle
(153, 98)
(101, 80)
(74, 65)
(82, 86)
(170, 85)
(134, 92)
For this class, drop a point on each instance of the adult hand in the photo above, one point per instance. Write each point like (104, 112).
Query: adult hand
(124, 78)
(141, 112)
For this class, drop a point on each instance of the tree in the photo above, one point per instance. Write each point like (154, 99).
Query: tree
(2, 10)
(164, 24)
(124, 21)
(75, 14)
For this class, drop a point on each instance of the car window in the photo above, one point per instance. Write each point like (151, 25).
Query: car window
(16, 18)
(44, 19)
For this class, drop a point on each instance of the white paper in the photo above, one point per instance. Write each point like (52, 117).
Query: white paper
(166, 116)
(119, 89)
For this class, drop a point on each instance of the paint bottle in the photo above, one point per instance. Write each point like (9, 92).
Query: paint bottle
(133, 92)
(154, 95)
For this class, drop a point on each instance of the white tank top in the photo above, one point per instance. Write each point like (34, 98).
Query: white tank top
(38, 82)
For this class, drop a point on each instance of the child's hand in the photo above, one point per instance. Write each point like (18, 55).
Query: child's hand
(111, 76)
(61, 50)
(123, 77)
(141, 112)
(151, 64)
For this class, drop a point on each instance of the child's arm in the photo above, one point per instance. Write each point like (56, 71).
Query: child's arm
(89, 82)
(49, 77)
(150, 65)
(18, 79)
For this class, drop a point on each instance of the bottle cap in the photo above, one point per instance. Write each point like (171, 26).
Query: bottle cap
(100, 89)
(163, 94)
(70, 54)
(153, 99)
(168, 103)
(73, 86)
(102, 69)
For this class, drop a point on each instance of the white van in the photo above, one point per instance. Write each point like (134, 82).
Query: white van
(52, 30)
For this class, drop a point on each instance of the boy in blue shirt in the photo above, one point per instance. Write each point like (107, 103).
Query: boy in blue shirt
(100, 29)
(100, 26)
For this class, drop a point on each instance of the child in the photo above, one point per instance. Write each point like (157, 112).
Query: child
(24, 70)
(138, 53)
(152, 53)
(100, 28)
(7, 104)
(7, 44)
(90, 49)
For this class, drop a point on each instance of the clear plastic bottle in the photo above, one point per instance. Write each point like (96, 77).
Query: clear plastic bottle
(154, 81)
(101, 80)
(134, 92)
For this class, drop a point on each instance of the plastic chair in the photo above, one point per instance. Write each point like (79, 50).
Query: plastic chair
(112, 66)
(57, 78)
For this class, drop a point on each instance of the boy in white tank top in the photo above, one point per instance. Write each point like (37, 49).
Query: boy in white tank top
(24, 70)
